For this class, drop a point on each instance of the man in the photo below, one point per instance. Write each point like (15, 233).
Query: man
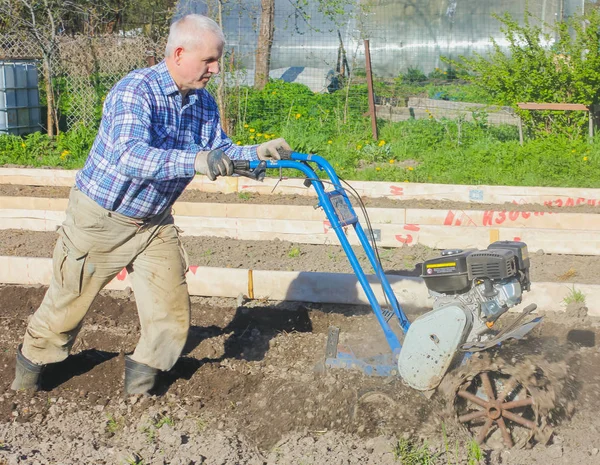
(159, 128)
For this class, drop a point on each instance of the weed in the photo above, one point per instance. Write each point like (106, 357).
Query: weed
(135, 460)
(294, 252)
(474, 453)
(574, 296)
(150, 433)
(113, 425)
(201, 424)
(163, 420)
(410, 454)
(244, 195)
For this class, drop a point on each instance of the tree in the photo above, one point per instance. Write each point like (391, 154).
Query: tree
(334, 10)
(557, 66)
(41, 21)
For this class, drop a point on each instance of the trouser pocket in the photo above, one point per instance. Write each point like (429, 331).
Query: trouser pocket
(68, 263)
(185, 259)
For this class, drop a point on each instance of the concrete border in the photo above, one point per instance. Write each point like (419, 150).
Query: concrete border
(298, 286)
(555, 196)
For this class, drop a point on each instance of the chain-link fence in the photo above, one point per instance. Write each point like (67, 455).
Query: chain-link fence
(321, 48)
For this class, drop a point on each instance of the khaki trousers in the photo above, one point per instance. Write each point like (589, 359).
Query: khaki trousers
(94, 245)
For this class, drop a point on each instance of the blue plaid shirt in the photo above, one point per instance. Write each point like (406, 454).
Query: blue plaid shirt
(143, 156)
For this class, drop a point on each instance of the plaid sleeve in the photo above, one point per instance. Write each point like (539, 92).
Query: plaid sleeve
(134, 154)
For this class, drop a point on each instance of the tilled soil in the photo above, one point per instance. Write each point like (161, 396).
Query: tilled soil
(247, 391)
(192, 195)
(290, 256)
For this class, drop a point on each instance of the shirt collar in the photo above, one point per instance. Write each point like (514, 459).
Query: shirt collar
(165, 80)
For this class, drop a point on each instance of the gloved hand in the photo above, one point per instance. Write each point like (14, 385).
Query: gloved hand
(269, 150)
(213, 163)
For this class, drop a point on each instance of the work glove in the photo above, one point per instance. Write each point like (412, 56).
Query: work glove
(213, 163)
(270, 150)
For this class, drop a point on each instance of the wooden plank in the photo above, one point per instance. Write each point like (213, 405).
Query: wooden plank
(314, 287)
(554, 196)
(554, 106)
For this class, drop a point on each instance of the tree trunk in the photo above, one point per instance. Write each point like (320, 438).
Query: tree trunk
(265, 41)
(49, 97)
(221, 100)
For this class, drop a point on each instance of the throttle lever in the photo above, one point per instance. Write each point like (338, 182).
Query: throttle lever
(242, 168)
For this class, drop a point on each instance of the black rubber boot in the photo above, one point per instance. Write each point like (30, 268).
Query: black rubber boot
(139, 378)
(27, 374)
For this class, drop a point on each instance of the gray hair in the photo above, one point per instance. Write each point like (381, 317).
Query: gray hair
(187, 32)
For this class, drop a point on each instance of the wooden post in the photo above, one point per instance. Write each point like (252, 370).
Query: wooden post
(591, 123)
(520, 131)
(370, 88)
(150, 58)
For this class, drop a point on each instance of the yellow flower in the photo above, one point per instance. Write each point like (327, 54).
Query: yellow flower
(378, 169)
(273, 93)
(272, 135)
(251, 137)
(330, 142)
(573, 151)
(298, 115)
(406, 180)
(23, 144)
(259, 134)
(251, 129)
(585, 158)
(392, 161)
(64, 154)
(358, 147)
(410, 168)
(239, 142)
(245, 125)
(381, 143)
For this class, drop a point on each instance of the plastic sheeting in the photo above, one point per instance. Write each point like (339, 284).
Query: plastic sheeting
(403, 34)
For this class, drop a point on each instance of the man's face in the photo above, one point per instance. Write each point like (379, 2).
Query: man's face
(195, 66)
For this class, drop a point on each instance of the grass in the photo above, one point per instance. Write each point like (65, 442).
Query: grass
(244, 195)
(163, 420)
(574, 296)
(294, 252)
(430, 150)
(409, 453)
(113, 425)
(425, 151)
(135, 460)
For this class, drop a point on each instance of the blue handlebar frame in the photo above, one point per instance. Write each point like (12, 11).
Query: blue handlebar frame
(300, 161)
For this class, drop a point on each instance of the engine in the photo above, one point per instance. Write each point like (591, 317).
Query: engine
(472, 289)
(485, 282)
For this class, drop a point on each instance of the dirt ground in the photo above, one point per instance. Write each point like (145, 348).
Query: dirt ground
(246, 390)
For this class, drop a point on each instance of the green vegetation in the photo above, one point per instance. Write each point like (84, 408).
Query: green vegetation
(409, 453)
(531, 71)
(294, 252)
(574, 296)
(113, 425)
(556, 151)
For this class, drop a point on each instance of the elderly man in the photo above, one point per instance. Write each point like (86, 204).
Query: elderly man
(159, 128)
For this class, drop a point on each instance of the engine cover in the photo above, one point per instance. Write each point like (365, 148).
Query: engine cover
(430, 345)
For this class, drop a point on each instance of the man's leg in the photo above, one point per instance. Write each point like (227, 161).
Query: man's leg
(90, 251)
(159, 283)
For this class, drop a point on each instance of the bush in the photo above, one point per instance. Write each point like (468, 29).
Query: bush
(530, 71)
